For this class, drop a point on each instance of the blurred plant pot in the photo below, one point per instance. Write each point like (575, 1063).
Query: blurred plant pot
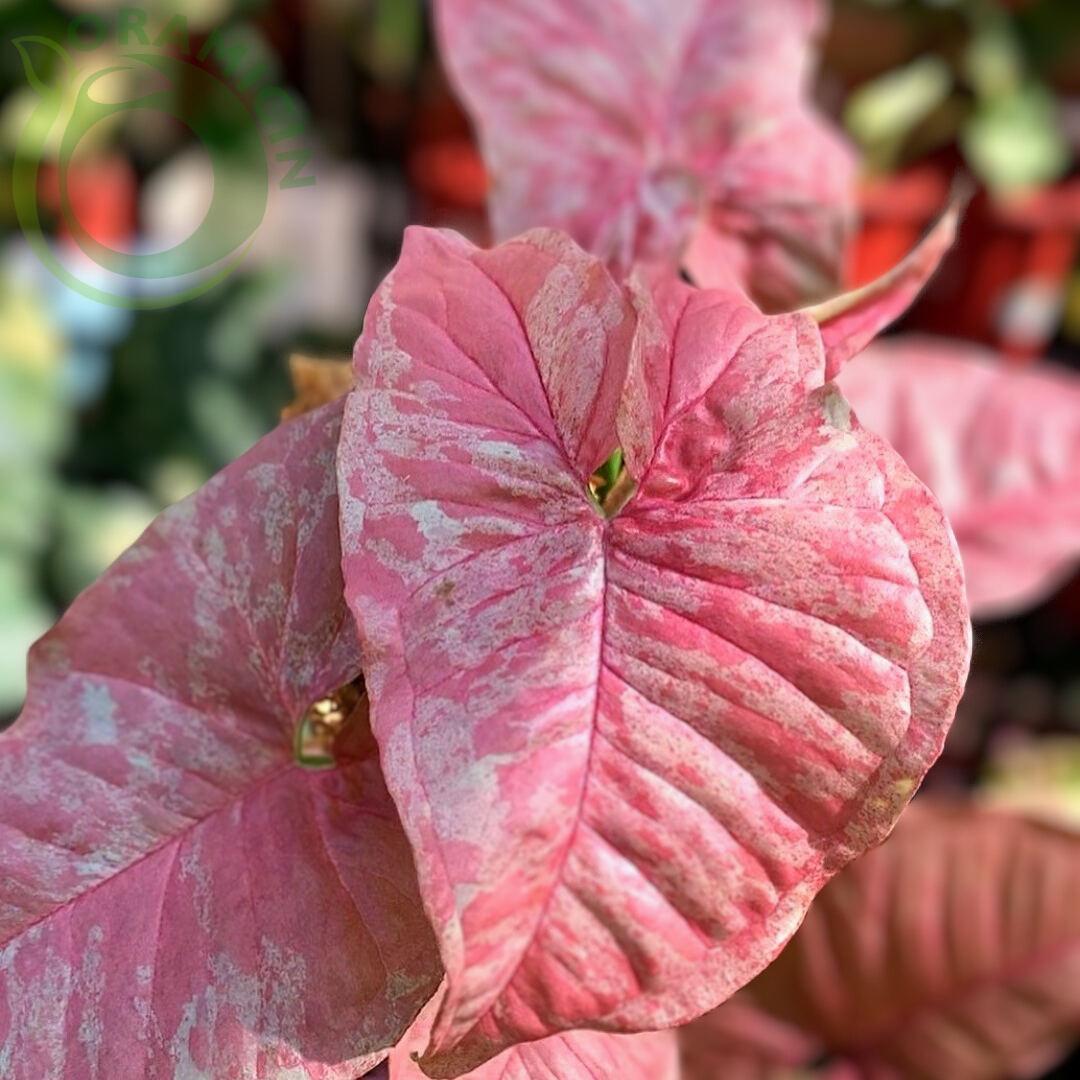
(1004, 281)
(446, 174)
(450, 185)
(894, 213)
(103, 194)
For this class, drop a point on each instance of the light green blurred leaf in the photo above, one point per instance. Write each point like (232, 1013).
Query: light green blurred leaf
(95, 527)
(1014, 143)
(1039, 778)
(993, 61)
(33, 424)
(234, 340)
(397, 35)
(227, 423)
(884, 110)
(23, 619)
(26, 498)
(174, 478)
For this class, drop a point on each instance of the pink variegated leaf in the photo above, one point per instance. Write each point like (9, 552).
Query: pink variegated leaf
(627, 747)
(631, 124)
(953, 950)
(178, 898)
(573, 1055)
(1000, 448)
(777, 213)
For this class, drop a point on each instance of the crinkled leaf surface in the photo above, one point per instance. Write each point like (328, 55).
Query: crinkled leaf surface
(573, 1055)
(632, 123)
(953, 950)
(1000, 448)
(178, 898)
(627, 750)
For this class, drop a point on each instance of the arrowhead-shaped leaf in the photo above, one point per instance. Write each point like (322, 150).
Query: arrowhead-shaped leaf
(631, 124)
(178, 898)
(953, 950)
(573, 1055)
(1000, 448)
(627, 750)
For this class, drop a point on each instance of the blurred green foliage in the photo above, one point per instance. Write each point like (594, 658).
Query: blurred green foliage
(105, 422)
(35, 430)
(189, 391)
(980, 76)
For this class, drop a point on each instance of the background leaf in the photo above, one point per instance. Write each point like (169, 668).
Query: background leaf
(683, 115)
(1000, 448)
(953, 950)
(178, 896)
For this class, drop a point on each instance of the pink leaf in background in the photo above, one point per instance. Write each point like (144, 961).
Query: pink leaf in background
(574, 1055)
(998, 446)
(635, 124)
(743, 1041)
(952, 951)
(178, 898)
(627, 750)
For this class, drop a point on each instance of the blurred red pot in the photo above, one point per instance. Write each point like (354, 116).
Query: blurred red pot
(103, 193)
(446, 174)
(1003, 283)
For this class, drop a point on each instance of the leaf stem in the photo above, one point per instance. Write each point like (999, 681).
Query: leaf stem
(619, 494)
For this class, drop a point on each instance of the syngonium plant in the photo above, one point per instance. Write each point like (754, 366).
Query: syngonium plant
(626, 730)
(511, 710)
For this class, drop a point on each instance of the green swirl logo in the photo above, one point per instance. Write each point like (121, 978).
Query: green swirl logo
(228, 131)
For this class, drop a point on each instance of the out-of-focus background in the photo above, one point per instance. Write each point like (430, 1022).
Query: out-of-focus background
(107, 415)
